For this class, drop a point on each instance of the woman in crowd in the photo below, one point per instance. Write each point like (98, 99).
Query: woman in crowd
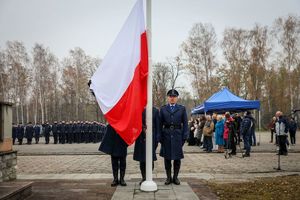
(208, 133)
(200, 130)
(219, 131)
(191, 140)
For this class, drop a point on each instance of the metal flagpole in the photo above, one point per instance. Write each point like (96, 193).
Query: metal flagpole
(149, 185)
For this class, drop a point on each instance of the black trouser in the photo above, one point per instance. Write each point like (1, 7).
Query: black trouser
(87, 137)
(272, 134)
(47, 138)
(208, 143)
(282, 144)
(37, 139)
(20, 141)
(293, 137)
(63, 137)
(59, 137)
(14, 140)
(55, 137)
(29, 140)
(118, 163)
(232, 144)
(70, 137)
(168, 164)
(143, 168)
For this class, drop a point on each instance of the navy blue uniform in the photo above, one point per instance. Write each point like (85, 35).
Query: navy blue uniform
(86, 134)
(70, 133)
(20, 134)
(29, 133)
(140, 143)
(77, 132)
(94, 132)
(174, 133)
(14, 133)
(115, 146)
(37, 130)
(62, 132)
(47, 130)
(55, 132)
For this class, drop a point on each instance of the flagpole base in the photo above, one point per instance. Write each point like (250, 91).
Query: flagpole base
(148, 186)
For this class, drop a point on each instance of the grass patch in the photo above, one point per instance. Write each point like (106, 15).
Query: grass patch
(284, 187)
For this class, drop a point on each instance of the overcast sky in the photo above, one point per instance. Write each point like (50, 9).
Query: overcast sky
(93, 24)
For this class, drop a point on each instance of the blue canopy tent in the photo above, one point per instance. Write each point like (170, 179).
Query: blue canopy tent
(223, 101)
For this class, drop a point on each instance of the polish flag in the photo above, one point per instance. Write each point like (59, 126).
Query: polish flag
(120, 82)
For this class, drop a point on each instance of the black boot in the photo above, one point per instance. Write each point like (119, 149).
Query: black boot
(143, 172)
(175, 177)
(122, 182)
(115, 181)
(168, 181)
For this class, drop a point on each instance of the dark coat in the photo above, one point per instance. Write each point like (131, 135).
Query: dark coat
(29, 132)
(37, 130)
(20, 132)
(14, 131)
(54, 128)
(140, 143)
(172, 140)
(292, 126)
(247, 125)
(47, 129)
(113, 144)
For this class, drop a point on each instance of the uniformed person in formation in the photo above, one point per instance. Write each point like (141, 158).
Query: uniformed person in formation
(115, 146)
(55, 132)
(140, 143)
(37, 132)
(47, 130)
(29, 132)
(174, 133)
(20, 133)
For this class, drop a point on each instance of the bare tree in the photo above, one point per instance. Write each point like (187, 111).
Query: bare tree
(78, 68)
(287, 32)
(43, 63)
(200, 52)
(17, 62)
(176, 69)
(235, 45)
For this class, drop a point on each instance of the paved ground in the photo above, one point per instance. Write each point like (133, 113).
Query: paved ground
(79, 169)
(263, 139)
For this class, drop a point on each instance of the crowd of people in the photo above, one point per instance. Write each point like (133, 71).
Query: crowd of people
(225, 131)
(280, 126)
(62, 132)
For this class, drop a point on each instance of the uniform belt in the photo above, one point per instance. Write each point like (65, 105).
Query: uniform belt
(169, 126)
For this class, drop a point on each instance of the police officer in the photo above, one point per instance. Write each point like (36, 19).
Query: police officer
(37, 131)
(77, 132)
(140, 143)
(63, 132)
(20, 133)
(115, 146)
(86, 129)
(29, 132)
(70, 132)
(47, 130)
(174, 133)
(55, 132)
